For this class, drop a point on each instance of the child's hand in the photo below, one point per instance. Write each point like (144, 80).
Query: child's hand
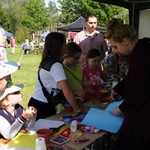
(97, 82)
(29, 112)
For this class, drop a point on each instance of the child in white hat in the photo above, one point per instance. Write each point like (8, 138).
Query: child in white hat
(6, 69)
(13, 117)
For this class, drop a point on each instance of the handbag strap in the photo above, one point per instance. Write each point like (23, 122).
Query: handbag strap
(45, 92)
(72, 74)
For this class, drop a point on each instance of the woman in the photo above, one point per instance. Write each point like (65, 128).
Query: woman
(52, 76)
(135, 130)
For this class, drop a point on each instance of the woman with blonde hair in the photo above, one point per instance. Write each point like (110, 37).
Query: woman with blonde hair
(134, 88)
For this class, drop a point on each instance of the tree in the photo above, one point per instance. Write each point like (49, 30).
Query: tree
(10, 14)
(3, 18)
(55, 15)
(36, 16)
(71, 10)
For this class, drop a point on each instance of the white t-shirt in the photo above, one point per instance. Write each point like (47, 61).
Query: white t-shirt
(50, 80)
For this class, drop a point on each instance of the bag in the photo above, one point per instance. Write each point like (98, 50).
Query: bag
(59, 97)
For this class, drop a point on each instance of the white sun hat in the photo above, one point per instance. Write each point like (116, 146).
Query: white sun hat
(7, 68)
(11, 89)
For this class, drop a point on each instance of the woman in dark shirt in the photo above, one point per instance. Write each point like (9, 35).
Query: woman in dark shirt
(134, 88)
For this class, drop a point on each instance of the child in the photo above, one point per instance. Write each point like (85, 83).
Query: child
(5, 70)
(92, 75)
(12, 115)
(72, 68)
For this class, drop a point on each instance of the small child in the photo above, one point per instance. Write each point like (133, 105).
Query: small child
(72, 68)
(12, 115)
(92, 75)
(6, 69)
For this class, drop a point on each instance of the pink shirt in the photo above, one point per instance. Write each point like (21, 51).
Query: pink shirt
(86, 42)
(12, 42)
(90, 75)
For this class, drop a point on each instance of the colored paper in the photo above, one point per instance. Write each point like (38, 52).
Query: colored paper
(22, 141)
(103, 119)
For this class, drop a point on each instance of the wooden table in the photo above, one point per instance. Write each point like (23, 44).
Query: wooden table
(92, 137)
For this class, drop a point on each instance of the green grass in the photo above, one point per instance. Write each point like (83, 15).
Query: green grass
(26, 74)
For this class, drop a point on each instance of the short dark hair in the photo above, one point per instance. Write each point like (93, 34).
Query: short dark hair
(72, 48)
(92, 53)
(89, 16)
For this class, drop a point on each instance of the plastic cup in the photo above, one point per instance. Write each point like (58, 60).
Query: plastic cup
(44, 133)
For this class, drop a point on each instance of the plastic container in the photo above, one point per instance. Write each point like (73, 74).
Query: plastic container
(44, 133)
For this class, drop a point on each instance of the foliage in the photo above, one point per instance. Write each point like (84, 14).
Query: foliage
(55, 15)
(35, 16)
(4, 21)
(12, 14)
(71, 10)
(32, 15)
(21, 33)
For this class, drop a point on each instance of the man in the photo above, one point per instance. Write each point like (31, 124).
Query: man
(12, 44)
(25, 47)
(90, 38)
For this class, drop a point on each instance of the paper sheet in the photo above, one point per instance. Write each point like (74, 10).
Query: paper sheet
(45, 123)
(102, 119)
(22, 141)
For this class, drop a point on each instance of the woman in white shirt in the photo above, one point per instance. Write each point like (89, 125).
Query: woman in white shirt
(52, 75)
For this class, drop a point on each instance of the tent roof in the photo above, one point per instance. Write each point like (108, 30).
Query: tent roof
(8, 34)
(77, 26)
(45, 34)
(129, 4)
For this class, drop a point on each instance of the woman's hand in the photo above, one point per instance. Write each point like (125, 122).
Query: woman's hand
(116, 111)
(29, 112)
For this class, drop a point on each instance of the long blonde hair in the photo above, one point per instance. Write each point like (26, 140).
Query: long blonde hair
(116, 30)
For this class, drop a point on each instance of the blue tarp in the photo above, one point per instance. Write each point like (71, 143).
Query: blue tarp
(8, 34)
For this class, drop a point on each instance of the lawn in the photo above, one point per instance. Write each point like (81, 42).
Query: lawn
(27, 73)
